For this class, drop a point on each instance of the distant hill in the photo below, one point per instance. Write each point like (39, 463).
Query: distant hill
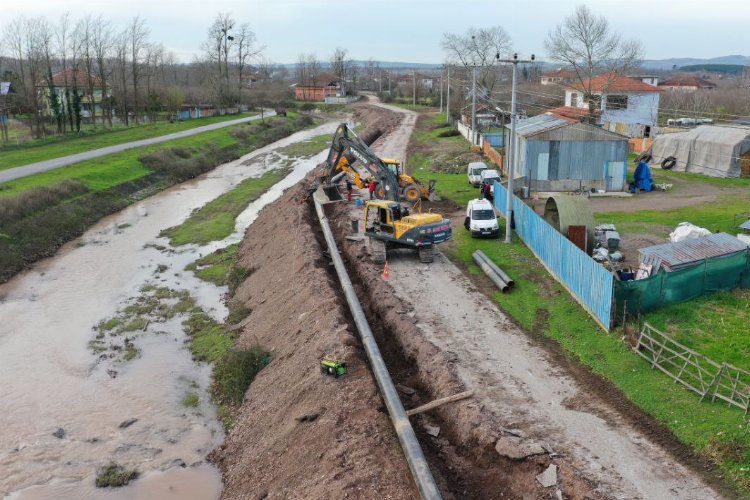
(737, 60)
(732, 69)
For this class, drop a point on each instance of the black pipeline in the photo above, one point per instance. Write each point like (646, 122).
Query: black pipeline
(497, 275)
(420, 470)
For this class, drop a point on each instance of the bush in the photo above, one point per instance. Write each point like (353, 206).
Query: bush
(16, 207)
(307, 106)
(235, 371)
(449, 133)
(114, 475)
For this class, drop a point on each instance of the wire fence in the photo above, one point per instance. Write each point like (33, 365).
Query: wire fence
(693, 370)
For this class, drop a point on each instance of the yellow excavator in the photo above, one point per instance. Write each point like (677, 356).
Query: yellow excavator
(388, 222)
(348, 148)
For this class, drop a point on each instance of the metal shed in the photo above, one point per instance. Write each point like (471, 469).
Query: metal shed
(561, 154)
(688, 253)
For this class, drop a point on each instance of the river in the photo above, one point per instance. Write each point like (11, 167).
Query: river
(50, 380)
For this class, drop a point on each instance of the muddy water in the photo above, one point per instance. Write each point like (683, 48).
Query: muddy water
(50, 379)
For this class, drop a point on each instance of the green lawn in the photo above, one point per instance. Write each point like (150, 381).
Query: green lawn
(215, 220)
(53, 147)
(542, 306)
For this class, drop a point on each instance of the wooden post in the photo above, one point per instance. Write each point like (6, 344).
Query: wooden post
(439, 402)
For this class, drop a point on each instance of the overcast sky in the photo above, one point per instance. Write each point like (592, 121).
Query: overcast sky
(410, 30)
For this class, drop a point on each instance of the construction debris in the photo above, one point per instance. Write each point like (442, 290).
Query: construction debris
(432, 430)
(517, 448)
(548, 477)
(439, 402)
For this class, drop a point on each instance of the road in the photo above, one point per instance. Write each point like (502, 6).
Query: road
(521, 385)
(46, 165)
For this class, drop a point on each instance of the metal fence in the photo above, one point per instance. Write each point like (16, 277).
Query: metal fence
(587, 281)
(693, 370)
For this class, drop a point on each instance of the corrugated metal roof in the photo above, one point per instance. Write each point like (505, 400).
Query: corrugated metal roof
(673, 256)
(745, 225)
(529, 127)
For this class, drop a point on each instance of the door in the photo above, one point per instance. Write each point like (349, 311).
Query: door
(615, 172)
(542, 167)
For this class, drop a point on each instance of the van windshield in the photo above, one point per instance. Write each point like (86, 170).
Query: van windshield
(477, 170)
(483, 215)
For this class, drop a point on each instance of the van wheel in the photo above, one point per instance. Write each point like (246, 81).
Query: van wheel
(426, 254)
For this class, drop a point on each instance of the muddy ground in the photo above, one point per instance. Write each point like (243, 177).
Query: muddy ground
(300, 434)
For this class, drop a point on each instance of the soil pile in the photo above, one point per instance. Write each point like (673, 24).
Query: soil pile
(301, 434)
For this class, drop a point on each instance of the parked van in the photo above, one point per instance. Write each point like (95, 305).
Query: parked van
(489, 177)
(474, 172)
(481, 219)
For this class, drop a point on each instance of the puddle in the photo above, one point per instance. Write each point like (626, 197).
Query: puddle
(50, 379)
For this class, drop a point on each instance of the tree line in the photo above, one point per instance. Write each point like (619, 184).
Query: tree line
(74, 69)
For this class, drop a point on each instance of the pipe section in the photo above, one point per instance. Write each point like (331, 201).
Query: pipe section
(495, 268)
(503, 286)
(420, 470)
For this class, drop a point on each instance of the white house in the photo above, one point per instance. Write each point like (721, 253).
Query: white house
(624, 105)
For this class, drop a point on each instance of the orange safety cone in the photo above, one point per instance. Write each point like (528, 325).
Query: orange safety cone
(386, 274)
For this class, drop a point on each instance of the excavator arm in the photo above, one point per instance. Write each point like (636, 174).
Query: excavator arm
(346, 148)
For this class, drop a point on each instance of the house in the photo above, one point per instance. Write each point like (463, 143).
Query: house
(76, 80)
(687, 82)
(557, 77)
(188, 111)
(248, 79)
(484, 115)
(650, 79)
(556, 153)
(325, 85)
(627, 106)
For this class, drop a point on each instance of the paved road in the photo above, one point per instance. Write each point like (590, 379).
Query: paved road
(43, 166)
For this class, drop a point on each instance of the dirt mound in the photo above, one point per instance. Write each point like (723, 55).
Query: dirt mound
(300, 434)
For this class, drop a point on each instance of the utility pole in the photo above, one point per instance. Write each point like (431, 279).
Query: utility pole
(473, 103)
(512, 144)
(414, 87)
(448, 103)
(380, 82)
(441, 92)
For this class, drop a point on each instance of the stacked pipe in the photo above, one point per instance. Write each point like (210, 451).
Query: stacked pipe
(497, 275)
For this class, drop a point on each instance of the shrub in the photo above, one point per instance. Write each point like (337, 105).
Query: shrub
(449, 133)
(307, 106)
(114, 475)
(15, 207)
(235, 371)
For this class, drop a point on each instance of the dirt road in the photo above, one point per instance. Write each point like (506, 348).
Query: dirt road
(521, 386)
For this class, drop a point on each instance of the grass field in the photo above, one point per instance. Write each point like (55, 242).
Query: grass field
(541, 306)
(14, 155)
(214, 221)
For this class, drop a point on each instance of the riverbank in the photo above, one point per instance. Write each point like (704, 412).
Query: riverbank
(38, 214)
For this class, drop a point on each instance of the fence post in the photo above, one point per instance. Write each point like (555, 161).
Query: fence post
(715, 383)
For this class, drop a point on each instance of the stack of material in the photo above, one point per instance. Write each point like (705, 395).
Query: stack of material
(607, 243)
(688, 253)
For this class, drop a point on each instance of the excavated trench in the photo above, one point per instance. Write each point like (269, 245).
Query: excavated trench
(462, 456)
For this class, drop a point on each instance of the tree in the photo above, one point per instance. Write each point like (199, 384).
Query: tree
(340, 66)
(101, 45)
(244, 40)
(585, 43)
(217, 48)
(121, 63)
(478, 48)
(138, 40)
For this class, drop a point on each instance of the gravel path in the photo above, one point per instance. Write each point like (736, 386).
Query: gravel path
(43, 166)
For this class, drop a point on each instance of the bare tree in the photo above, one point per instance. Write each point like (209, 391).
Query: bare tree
(340, 66)
(63, 33)
(102, 44)
(86, 42)
(217, 48)
(585, 43)
(138, 41)
(478, 48)
(313, 69)
(244, 40)
(121, 63)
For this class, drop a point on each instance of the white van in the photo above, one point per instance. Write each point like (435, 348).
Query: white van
(481, 219)
(489, 177)
(474, 171)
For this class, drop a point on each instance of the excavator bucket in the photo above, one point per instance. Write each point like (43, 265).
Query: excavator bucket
(432, 196)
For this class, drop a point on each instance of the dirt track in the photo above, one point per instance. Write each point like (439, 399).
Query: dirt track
(521, 388)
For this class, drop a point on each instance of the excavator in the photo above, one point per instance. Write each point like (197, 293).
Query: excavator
(388, 222)
(347, 148)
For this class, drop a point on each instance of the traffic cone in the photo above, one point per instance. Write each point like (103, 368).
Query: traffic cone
(386, 274)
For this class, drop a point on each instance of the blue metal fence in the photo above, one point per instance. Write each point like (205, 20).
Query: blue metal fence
(586, 280)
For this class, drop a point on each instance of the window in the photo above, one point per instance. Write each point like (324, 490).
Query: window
(574, 99)
(617, 102)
